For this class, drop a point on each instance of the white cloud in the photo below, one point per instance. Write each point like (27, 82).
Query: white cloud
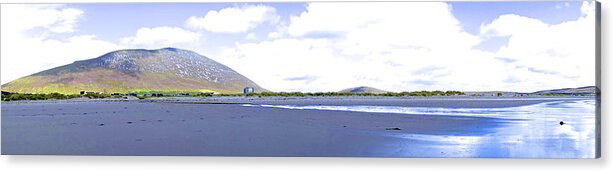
(27, 43)
(251, 36)
(392, 46)
(274, 35)
(414, 46)
(234, 19)
(548, 56)
(587, 7)
(54, 18)
(385, 45)
(281, 31)
(562, 5)
(161, 36)
(506, 25)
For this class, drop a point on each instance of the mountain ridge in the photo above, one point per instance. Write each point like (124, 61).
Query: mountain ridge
(577, 90)
(585, 90)
(363, 89)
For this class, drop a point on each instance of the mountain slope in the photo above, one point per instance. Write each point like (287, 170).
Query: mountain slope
(168, 69)
(363, 89)
(579, 90)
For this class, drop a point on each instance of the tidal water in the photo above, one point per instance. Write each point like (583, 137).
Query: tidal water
(532, 131)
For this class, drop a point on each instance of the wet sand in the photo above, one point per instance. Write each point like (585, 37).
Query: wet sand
(222, 127)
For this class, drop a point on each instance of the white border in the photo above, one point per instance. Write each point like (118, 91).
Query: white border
(154, 164)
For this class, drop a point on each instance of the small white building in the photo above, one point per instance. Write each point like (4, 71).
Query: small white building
(248, 90)
(89, 92)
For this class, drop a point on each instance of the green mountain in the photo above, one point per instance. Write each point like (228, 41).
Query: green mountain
(137, 70)
(363, 89)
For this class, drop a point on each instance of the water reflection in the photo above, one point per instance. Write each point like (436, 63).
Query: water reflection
(538, 135)
(532, 131)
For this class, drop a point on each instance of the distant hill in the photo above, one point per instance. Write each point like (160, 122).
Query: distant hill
(588, 90)
(363, 89)
(135, 70)
(579, 90)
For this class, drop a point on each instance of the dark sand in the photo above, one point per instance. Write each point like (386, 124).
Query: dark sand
(222, 127)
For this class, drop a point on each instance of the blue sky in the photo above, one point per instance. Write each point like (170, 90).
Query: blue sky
(293, 45)
(114, 21)
(473, 14)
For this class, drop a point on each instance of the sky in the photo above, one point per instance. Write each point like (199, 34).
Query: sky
(325, 46)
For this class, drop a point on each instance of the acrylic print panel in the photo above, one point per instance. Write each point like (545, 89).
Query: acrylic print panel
(325, 79)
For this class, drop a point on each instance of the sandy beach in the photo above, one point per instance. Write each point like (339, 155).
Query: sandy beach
(225, 126)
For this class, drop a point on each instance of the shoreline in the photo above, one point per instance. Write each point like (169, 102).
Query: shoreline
(409, 101)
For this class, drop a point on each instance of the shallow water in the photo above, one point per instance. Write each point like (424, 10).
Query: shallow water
(531, 131)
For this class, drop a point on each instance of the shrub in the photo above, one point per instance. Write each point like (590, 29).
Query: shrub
(97, 96)
(17, 97)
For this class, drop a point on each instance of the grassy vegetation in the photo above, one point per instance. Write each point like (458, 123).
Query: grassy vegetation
(553, 94)
(20, 96)
(114, 82)
(144, 95)
(53, 96)
(301, 94)
(59, 96)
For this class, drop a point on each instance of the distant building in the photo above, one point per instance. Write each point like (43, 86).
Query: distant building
(248, 90)
(522, 94)
(88, 92)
